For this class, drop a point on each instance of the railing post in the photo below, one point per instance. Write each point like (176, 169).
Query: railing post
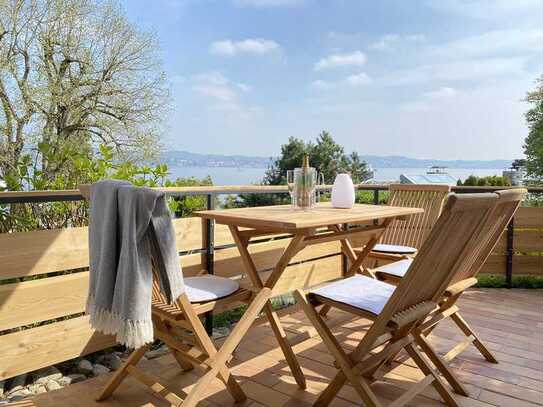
(510, 253)
(376, 202)
(209, 246)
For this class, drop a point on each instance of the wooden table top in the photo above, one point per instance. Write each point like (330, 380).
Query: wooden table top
(284, 217)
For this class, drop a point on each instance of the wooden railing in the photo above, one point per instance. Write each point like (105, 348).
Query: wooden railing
(45, 272)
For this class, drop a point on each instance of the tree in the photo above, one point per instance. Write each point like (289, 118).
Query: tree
(491, 180)
(104, 164)
(75, 73)
(533, 144)
(518, 163)
(327, 156)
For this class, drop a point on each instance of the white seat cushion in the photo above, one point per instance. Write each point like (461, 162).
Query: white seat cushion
(397, 269)
(393, 248)
(361, 292)
(209, 288)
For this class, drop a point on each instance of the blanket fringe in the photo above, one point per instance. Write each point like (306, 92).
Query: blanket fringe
(133, 334)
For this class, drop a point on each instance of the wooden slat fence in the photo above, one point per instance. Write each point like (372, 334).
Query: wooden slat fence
(527, 246)
(41, 318)
(54, 294)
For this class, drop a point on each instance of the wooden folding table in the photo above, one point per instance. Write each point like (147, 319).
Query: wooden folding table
(320, 224)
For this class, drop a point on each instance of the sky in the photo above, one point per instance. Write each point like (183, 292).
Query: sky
(441, 79)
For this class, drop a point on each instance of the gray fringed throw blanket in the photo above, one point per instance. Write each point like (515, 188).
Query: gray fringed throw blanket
(128, 227)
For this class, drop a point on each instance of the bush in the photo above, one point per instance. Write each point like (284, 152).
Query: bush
(491, 180)
(491, 281)
(83, 168)
(366, 197)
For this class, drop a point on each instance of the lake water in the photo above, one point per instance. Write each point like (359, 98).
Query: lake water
(244, 176)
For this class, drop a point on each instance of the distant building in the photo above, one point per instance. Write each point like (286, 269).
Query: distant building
(435, 175)
(515, 175)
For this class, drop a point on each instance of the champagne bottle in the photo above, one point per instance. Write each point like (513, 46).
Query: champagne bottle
(305, 189)
(305, 163)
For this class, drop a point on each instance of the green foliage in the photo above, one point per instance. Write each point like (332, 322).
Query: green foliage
(490, 281)
(250, 200)
(533, 144)
(491, 180)
(533, 200)
(366, 197)
(79, 168)
(230, 317)
(327, 156)
(184, 206)
(75, 73)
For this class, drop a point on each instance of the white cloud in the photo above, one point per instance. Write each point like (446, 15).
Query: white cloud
(354, 80)
(216, 86)
(386, 42)
(223, 96)
(358, 79)
(267, 3)
(356, 58)
(243, 87)
(431, 100)
(220, 93)
(510, 42)
(441, 93)
(321, 85)
(462, 70)
(415, 37)
(256, 46)
(489, 9)
(212, 78)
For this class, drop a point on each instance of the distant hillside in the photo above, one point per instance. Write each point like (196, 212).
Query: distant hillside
(406, 162)
(186, 159)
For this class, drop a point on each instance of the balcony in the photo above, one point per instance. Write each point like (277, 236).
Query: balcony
(44, 284)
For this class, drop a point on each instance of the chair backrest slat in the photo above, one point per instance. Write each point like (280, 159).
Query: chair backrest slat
(415, 229)
(504, 210)
(443, 254)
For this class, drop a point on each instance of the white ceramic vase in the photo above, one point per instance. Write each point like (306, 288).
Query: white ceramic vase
(343, 192)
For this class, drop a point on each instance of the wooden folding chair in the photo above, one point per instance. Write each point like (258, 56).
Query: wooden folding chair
(178, 325)
(397, 311)
(403, 237)
(465, 277)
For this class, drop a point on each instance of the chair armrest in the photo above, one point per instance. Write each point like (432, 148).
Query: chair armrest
(385, 256)
(459, 287)
(389, 256)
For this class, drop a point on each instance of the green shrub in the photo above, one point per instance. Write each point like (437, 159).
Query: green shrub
(366, 197)
(83, 167)
(491, 180)
(491, 281)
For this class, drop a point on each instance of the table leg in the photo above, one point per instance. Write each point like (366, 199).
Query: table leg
(282, 339)
(347, 248)
(275, 323)
(367, 249)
